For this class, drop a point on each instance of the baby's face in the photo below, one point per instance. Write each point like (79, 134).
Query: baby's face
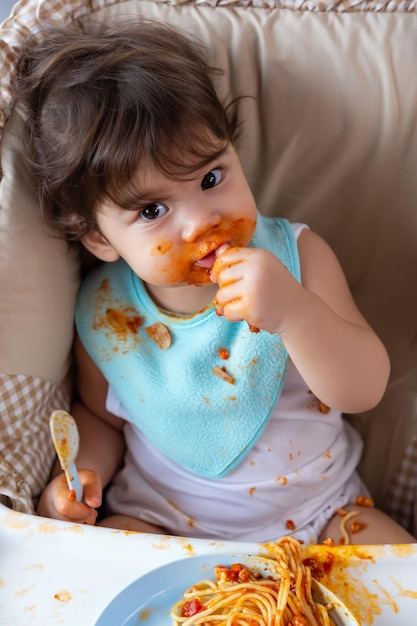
(172, 236)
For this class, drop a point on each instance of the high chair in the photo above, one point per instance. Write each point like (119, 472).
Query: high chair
(329, 138)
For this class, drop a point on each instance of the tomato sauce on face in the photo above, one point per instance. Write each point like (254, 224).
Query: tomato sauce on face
(180, 267)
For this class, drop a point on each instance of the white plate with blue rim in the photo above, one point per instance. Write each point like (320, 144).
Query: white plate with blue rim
(149, 599)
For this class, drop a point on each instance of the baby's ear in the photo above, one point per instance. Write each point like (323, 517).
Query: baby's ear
(98, 245)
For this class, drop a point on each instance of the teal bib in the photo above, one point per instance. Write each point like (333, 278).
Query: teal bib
(201, 409)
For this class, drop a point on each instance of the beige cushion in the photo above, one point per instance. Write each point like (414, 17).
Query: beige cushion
(330, 138)
(39, 274)
(38, 282)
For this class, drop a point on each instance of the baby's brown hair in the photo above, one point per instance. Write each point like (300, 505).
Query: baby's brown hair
(101, 100)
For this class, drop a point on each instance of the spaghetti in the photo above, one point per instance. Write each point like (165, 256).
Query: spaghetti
(241, 597)
(346, 517)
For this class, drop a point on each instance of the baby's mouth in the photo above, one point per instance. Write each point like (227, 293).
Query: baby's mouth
(208, 260)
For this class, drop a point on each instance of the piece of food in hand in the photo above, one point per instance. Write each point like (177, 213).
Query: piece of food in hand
(160, 335)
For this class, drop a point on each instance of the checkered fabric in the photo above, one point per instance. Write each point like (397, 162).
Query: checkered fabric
(26, 449)
(401, 498)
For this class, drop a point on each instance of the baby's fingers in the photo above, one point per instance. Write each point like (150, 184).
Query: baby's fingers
(77, 512)
(58, 502)
(226, 258)
(67, 508)
(92, 488)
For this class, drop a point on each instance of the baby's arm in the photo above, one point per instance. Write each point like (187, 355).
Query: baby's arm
(101, 448)
(336, 352)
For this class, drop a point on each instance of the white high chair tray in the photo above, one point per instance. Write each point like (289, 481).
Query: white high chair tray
(54, 573)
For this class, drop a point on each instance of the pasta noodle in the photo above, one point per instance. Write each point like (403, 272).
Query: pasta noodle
(345, 519)
(241, 597)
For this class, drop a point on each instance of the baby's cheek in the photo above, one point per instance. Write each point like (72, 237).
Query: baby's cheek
(168, 271)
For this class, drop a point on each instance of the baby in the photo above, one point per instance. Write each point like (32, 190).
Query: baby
(216, 349)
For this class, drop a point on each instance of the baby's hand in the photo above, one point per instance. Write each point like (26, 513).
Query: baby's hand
(57, 502)
(253, 286)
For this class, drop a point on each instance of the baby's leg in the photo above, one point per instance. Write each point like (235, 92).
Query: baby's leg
(124, 522)
(373, 527)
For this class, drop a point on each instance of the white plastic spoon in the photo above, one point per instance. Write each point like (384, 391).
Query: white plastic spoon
(66, 440)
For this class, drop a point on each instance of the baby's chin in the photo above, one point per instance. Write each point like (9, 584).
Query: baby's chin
(196, 279)
(199, 276)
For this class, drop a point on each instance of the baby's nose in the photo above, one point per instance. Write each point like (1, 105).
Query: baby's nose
(199, 223)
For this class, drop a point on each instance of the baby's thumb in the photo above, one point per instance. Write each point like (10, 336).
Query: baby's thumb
(218, 253)
(92, 488)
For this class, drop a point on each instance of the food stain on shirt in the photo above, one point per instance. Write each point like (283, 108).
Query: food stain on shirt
(317, 404)
(191, 522)
(281, 479)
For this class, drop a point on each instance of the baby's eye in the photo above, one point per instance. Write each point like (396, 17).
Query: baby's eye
(211, 179)
(153, 211)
